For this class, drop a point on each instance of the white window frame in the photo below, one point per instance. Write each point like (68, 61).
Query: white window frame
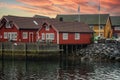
(65, 36)
(117, 28)
(7, 25)
(5, 35)
(77, 36)
(43, 36)
(91, 27)
(47, 28)
(25, 35)
(50, 36)
(10, 35)
(35, 22)
(101, 27)
(14, 35)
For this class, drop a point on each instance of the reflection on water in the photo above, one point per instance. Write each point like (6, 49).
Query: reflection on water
(59, 70)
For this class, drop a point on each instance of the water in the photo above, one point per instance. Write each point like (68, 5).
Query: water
(58, 70)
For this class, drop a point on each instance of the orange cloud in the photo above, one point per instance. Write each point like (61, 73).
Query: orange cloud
(53, 7)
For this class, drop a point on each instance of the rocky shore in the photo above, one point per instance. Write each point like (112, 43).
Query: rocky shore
(101, 51)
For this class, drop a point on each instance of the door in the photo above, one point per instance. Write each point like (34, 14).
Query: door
(10, 36)
(31, 37)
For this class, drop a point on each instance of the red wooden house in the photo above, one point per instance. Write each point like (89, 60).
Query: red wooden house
(26, 29)
(19, 29)
(70, 33)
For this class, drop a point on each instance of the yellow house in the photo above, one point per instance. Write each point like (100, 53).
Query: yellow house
(100, 23)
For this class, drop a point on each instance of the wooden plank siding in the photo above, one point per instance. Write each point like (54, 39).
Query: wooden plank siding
(84, 38)
(108, 29)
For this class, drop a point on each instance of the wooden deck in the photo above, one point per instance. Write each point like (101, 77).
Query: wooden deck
(28, 49)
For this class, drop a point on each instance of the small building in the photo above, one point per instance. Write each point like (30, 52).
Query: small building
(115, 20)
(19, 29)
(100, 23)
(66, 33)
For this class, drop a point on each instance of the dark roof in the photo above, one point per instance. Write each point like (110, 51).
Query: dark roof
(115, 20)
(71, 27)
(40, 16)
(26, 22)
(92, 19)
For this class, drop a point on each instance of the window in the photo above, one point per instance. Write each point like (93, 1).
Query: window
(43, 36)
(117, 28)
(91, 27)
(14, 35)
(77, 36)
(5, 35)
(65, 36)
(101, 35)
(8, 25)
(101, 27)
(25, 35)
(50, 36)
(10, 35)
(47, 28)
(61, 19)
(35, 22)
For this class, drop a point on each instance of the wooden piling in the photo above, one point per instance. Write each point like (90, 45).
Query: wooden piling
(66, 50)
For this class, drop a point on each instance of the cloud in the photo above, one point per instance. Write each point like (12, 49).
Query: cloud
(53, 7)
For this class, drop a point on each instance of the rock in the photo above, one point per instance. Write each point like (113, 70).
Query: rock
(117, 58)
(107, 51)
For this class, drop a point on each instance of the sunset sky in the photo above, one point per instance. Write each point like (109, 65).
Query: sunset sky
(53, 7)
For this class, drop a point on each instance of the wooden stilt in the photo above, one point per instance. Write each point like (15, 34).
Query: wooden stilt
(25, 47)
(75, 49)
(72, 49)
(2, 51)
(66, 50)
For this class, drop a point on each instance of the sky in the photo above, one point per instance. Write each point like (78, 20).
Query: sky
(53, 7)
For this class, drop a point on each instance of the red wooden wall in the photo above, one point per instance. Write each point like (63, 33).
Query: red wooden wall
(19, 36)
(52, 30)
(84, 39)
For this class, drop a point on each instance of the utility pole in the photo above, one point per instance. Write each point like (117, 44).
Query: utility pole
(99, 17)
(78, 13)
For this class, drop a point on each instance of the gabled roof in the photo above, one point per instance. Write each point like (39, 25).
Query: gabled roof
(71, 27)
(91, 19)
(36, 23)
(115, 20)
(26, 22)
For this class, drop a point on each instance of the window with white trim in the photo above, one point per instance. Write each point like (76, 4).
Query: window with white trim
(8, 25)
(91, 27)
(50, 36)
(25, 35)
(65, 36)
(14, 35)
(101, 27)
(47, 28)
(35, 22)
(10, 35)
(43, 36)
(5, 35)
(77, 36)
(117, 28)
